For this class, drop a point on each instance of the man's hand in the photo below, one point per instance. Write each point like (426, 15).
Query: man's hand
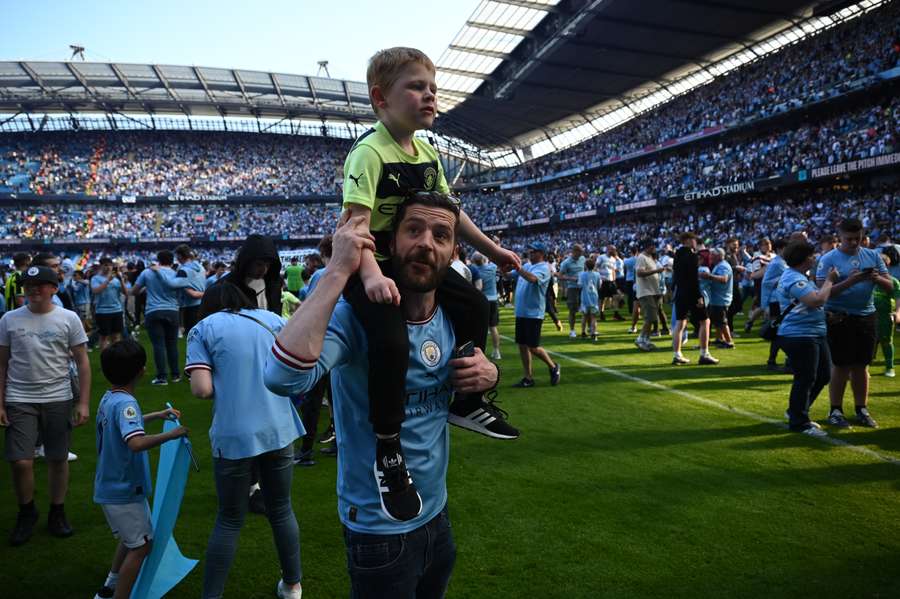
(381, 290)
(506, 260)
(82, 413)
(4, 420)
(350, 238)
(858, 276)
(473, 374)
(833, 275)
(179, 431)
(167, 414)
(704, 275)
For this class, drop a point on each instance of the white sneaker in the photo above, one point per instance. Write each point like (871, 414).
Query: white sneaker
(495, 355)
(890, 373)
(283, 592)
(814, 431)
(632, 330)
(72, 457)
(573, 334)
(39, 452)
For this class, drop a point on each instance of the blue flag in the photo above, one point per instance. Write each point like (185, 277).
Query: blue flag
(165, 567)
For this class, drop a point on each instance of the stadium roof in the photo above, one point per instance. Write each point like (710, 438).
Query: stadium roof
(523, 71)
(72, 87)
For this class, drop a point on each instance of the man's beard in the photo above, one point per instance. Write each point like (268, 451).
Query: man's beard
(406, 280)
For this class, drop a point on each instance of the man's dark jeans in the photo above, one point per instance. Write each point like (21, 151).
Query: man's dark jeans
(811, 361)
(162, 326)
(413, 565)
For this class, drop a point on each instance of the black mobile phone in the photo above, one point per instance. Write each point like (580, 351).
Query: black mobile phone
(466, 350)
(869, 270)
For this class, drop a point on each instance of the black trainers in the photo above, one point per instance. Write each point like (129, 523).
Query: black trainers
(23, 529)
(304, 458)
(525, 383)
(329, 450)
(328, 435)
(257, 503)
(863, 418)
(105, 593)
(554, 375)
(836, 418)
(487, 418)
(400, 500)
(57, 523)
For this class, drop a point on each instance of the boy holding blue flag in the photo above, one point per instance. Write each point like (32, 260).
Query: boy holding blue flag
(122, 481)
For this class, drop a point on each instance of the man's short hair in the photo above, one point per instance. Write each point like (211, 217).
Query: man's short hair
(731, 240)
(325, 246)
(431, 199)
(183, 251)
(165, 257)
(122, 361)
(780, 244)
(478, 258)
(850, 225)
(577, 248)
(832, 239)
(386, 66)
(796, 252)
(718, 252)
(687, 236)
(105, 260)
(42, 258)
(293, 259)
(21, 259)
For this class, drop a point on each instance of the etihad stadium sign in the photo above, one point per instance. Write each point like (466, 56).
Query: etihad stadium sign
(721, 190)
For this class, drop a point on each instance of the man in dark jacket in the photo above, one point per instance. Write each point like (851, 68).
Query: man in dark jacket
(689, 302)
(257, 272)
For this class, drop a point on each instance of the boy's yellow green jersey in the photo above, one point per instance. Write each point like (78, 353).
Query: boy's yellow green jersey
(379, 175)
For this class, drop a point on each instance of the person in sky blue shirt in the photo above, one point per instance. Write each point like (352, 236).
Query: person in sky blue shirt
(108, 289)
(193, 271)
(81, 297)
(324, 335)
(802, 331)
(488, 272)
(531, 295)
(161, 313)
(589, 281)
(852, 323)
(252, 428)
(122, 480)
(569, 269)
(721, 289)
(769, 280)
(217, 273)
(628, 264)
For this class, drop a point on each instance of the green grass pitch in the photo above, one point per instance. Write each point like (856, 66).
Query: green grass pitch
(632, 478)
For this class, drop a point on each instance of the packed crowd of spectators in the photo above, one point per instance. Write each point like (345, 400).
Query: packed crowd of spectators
(813, 69)
(774, 216)
(67, 222)
(865, 132)
(172, 162)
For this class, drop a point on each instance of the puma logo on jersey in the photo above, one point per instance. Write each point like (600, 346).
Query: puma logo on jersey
(395, 178)
(356, 178)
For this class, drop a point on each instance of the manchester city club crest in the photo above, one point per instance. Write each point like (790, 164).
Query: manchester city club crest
(854, 263)
(32, 271)
(431, 353)
(430, 178)
(129, 412)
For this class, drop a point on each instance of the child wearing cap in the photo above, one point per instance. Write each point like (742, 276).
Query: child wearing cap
(122, 481)
(36, 395)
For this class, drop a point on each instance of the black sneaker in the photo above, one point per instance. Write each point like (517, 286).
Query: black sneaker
(400, 500)
(176, 379)
(863, 418)
(159, 382)
(24, 528)
(554, 375)
(772, 367)
(257, 503)
(525, 383)
(487, 418)
(328, 435)
(57, 523)
(105, 593)
(836, 418)
(304, 458)
(330, 450)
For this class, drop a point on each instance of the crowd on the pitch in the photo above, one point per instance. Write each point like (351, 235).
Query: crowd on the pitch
(164, 163)
(808, 71)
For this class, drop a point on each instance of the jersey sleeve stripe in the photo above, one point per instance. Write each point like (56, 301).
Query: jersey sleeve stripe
(197, 366)
(135, 433)
(290, 360)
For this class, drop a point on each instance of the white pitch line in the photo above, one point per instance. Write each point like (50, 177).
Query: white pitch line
(719, 406)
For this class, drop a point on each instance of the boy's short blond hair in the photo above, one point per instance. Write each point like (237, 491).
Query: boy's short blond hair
(386, 66)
